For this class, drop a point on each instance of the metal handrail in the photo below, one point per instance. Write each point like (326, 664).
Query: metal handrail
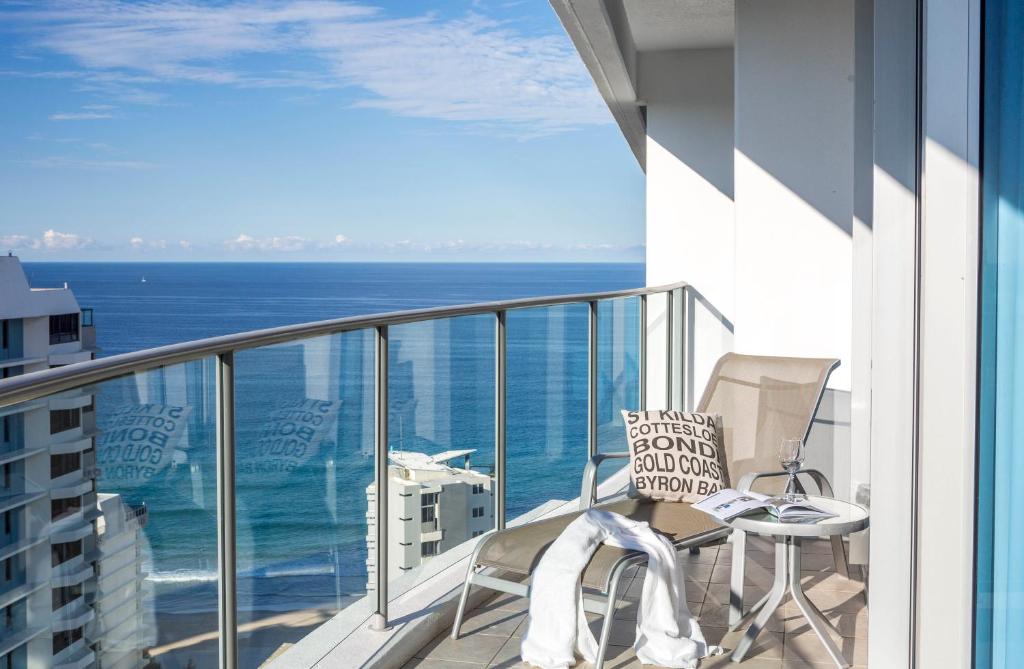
(222, 349)
(47, 382)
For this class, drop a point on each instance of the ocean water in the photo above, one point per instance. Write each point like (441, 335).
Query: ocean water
(304, 410)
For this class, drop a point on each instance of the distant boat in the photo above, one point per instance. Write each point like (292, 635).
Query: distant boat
(143, 279)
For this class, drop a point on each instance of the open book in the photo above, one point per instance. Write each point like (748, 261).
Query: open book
(727, 504)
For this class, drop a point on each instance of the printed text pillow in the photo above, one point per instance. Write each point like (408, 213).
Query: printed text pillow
(676, 456)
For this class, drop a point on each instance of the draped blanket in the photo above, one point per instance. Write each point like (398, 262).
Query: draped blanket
(666, 634)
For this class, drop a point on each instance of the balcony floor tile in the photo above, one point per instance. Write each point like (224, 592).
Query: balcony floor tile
(491, 633)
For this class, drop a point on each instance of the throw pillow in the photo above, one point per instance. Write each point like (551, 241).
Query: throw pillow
(676, 456)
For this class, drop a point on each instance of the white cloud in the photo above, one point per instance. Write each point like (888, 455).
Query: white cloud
(61, 241)
(11, 242)
(80, 116)
(67, 162)
(185, 244)
(51, 240)
(471, 69)
(284, 244)
(136, 242)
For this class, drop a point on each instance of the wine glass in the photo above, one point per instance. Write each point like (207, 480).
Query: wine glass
(791, 456)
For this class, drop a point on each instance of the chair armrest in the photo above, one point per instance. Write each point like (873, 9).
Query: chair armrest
(820, 480)
(589, 488)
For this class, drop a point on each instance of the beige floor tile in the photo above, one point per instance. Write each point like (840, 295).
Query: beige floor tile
(852, 624)
(508, 602)
(807, 647)
(717, 615)
(754, 574)
(767, 647)
(426, 663)
(479, 648)
(498, 622)
(838, 602)
(705, 556)
(830, 581)
(817, 562)
(724, 661)
(718, 593)
(508, 655)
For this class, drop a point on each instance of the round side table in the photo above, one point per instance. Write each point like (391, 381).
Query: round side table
(849, 518)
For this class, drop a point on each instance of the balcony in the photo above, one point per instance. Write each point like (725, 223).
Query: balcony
(253, 478)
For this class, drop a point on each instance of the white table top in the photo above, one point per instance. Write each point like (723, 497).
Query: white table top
(849, 518)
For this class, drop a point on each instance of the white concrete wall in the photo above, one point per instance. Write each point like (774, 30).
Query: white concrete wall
(794, 178)
(690, 219)
(794, 197)
(751, 173)
(690, 227)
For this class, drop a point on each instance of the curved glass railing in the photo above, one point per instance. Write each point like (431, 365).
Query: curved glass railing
(215, 500)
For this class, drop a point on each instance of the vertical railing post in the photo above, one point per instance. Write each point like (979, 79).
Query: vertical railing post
(685, 350)
(592, 383)
(669, 348)
(380, 475)
(500, 423)
(642, 355)
(226, 572)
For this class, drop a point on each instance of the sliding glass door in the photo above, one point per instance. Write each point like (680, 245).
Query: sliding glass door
(999, 631)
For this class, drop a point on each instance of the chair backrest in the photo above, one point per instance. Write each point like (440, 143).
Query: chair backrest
(763, 400)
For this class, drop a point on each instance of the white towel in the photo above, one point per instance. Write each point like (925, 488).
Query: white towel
(666, 633)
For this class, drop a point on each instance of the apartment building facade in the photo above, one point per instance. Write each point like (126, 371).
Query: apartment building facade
(48, 545)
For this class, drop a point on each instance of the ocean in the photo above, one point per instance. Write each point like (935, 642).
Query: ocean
(305, 415)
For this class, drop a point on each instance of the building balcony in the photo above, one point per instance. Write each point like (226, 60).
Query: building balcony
(529, 388)
(72, 615)
(77, 656)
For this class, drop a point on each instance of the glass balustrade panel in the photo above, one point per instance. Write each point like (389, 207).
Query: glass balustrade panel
(618, 375)
(304, 459)
(108, 552)
(440, 443)
(547, 405)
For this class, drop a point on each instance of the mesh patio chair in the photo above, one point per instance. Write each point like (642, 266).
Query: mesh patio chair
(762, 400)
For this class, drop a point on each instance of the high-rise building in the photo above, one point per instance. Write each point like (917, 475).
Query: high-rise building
(433, 505)
(121, 613)
(48, 509)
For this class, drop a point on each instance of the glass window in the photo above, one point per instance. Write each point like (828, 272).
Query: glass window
(65, 463)
(61, 553)
(60, 508)
(63, 328)
(65, 595)
(62, 640)
(428, 548)
(62, 420)
(428, 507)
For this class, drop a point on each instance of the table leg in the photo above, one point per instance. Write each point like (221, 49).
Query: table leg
(778, 591)
(818, 623)
(739, 558)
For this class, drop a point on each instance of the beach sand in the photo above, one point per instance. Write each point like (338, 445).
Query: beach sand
(193, 636)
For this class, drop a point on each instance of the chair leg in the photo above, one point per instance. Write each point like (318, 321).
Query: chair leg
(839, 557)
(739, 557)
(609, 619)
(461, 611)
(470, 572)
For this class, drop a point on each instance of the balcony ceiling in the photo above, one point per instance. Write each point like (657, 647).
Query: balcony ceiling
(680, 24)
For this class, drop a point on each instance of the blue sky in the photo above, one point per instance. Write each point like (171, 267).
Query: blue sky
(306, 130)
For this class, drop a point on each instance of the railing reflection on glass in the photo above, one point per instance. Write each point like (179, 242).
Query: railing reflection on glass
(228, 495)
